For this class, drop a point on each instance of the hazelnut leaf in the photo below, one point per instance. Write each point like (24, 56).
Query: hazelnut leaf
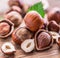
(39, 8)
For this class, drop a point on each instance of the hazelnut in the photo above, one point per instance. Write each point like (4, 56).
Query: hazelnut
(13, 2)
(33, 21)
(8, 48)
(43, 40)
(28, 45)
(53, 26)
(54, 14)
(6, 28)
(55, 35)
(14, 17)
(21, 34)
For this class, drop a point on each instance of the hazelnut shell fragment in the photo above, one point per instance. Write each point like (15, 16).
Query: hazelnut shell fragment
(21, 34)
(8, 48)
(33, 21)
(43, 40)
(11, 28)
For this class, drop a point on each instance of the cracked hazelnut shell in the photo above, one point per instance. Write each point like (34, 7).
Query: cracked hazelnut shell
(6, 28)
(21, 34)
(33, 21)
(53, 26)
(43, 40)
(54, 14)
(8, 48)
(14, 17)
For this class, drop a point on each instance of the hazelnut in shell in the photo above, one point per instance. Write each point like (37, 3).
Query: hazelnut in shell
(21, 34)
(54, 14)
(6, 28)
(8, 48)
(33, 21)
(28, 45)
(14, 17)
(53, 26)
(43, 40)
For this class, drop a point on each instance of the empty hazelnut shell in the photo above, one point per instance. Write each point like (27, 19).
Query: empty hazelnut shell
(53, 26)
(33, 20)
(21, 34)
(54, 14)
(43, 40)
(6, 28)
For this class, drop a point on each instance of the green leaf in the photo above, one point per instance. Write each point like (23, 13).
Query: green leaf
(39, 8)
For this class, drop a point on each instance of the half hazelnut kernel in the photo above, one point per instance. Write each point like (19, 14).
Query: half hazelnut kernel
(6, 28)
(33, 21)
(8, 48)
(54, 14)
(28, 45)
(21, 34)
(14, 17)
(53, 26)
(43, 40)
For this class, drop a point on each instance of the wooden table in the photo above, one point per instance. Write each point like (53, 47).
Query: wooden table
(53, 52)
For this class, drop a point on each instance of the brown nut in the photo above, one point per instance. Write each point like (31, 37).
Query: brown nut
(8, 48)
(53, 26)
(14, 17)
(33, 21)
(21, 34)
(13, 2)
(54, 14)
(6, 28)
(28, 45)
(43, 40)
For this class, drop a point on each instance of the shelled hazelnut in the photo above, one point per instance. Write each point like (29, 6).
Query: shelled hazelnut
(53, 26)
(8, 48)
(33, 21)
(54, 14)
(21, 34)
(28, 45)
(14, 17)
(43, 40)
(6, 28)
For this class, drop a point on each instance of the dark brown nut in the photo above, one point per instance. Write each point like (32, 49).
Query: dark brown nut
(28, 45)
(43, 40)
(53, 26)
(21, 34)
(14, 17)
(54, 14)
(8, 48)
(6, 28)
(33, 21)
(13, 2)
